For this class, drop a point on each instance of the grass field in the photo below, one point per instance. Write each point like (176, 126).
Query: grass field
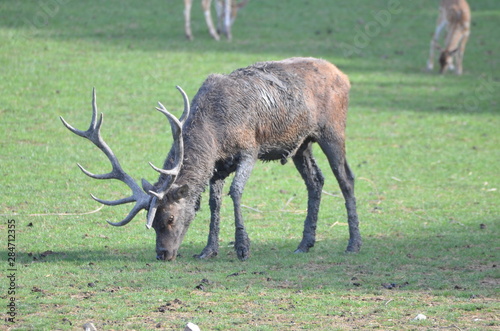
(425, 149)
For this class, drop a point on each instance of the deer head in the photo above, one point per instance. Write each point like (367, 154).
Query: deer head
(446, 60)
(164, 200)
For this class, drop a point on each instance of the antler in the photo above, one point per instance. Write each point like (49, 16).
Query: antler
(178, 141)
(187, 108)
(94, 135)
(176, 126)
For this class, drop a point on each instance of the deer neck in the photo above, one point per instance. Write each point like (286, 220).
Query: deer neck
(199, 160)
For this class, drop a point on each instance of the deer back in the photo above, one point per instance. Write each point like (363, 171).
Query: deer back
(270, 106)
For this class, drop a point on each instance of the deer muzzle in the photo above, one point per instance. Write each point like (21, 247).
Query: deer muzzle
(164, 255)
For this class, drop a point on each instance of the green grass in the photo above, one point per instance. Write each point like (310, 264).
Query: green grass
(425, 149)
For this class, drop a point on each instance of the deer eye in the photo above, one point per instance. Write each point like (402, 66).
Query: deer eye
(170, 220)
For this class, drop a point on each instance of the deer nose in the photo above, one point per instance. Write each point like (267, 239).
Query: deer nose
(165, 255)
(161, 256)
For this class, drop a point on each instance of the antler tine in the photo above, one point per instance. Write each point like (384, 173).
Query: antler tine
(94, 112)
(93, 124)
(187, 107)
(114, 202)
(174, 122)
(177, 131)
(137, 208)
(93, 134)
(168, 172)
(88, 173)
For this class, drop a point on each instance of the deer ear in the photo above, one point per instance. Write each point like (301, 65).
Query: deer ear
(180, 192)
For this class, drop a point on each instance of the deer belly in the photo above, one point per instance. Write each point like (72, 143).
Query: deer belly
(282, 153)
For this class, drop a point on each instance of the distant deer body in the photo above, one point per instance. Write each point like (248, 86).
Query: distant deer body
(268, 111)
(455, 16)
(227, 10)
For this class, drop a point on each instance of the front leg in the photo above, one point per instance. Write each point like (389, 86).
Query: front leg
(212, 248)
(208, 18)
(227, 19)
(243, 171)
(187, 19)
(441, 24)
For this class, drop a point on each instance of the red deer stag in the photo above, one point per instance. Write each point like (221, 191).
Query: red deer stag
(454, 15)
(269, 111)
(227, 10)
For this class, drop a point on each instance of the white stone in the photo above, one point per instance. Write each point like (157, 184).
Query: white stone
(89, 326)
(191, 327)
(420, 317)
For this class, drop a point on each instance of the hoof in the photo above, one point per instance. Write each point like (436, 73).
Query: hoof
(206, 254)
(300, 250)
(242, 245)
(243, 253)
(353, 247)
(304, 246)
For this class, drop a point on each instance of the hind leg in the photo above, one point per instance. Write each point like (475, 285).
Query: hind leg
(461, 51)
(335, 152)
(311, 174)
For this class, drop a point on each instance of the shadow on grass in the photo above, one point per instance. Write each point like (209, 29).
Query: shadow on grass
(451, 260)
